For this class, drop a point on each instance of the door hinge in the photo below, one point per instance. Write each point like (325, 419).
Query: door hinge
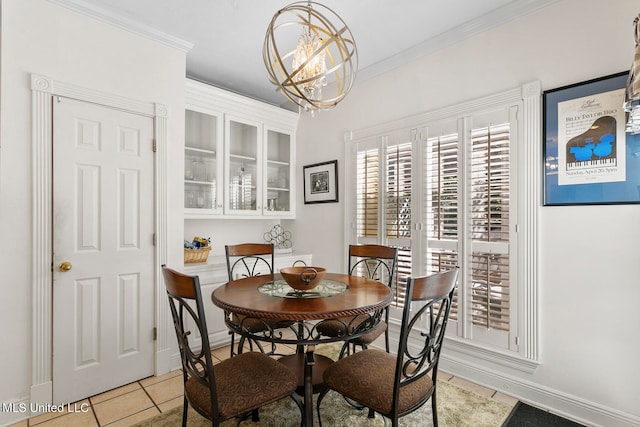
(517, 340)
(155, 240)
(154, 145)
(155, 334)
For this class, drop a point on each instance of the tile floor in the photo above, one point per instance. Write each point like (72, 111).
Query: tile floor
(148, 397)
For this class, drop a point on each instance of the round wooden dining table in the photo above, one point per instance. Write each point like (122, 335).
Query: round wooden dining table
(268, 298)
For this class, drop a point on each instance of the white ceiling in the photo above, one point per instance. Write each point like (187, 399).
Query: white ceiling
(224, 38)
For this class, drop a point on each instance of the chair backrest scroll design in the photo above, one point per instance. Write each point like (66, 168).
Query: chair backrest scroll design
(420, 345)
(249, 259)
(184, 293)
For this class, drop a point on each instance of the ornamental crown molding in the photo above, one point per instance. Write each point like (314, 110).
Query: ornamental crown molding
(104, 15)
(489, 21)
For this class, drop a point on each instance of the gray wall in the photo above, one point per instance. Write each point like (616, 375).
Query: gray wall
(589, 318)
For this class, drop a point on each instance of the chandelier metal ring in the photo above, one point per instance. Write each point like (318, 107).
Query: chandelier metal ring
(310, 55)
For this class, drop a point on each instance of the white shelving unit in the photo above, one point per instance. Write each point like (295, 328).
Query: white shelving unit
(239, 156)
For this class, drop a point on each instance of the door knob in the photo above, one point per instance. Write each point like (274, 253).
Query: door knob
(64, 266)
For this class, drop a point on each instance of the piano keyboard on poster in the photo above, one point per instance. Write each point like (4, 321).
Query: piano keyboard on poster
(609, 161)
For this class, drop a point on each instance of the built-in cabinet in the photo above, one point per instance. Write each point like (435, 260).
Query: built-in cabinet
(239, 156)
(203, 162)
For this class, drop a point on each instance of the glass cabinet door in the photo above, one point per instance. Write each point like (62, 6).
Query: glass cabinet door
(243, 170)
(278, 178)
(203, 164)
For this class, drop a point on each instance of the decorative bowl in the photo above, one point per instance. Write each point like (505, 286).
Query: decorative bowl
(302, 278)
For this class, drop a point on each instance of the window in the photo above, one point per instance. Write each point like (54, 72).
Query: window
(467, 217)
(383, 207)
(442, 187)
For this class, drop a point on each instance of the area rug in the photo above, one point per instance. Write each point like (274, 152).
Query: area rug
(457, 407)
(524, 415)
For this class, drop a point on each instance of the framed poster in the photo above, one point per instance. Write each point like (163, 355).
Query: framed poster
(321, 182)
(588, 157)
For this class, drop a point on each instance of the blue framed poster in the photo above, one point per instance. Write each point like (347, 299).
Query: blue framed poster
(588, 157)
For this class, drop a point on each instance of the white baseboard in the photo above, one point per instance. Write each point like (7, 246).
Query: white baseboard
(13, 411)
(42, 393)
(568, 406)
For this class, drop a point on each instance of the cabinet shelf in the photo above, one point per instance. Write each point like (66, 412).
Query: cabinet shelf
(191, 181)
(200, 151)
(277, 163)
(238, 157)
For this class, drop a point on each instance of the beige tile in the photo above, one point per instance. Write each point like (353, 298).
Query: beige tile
(444, 376)
(477, 389)
(76, 419)
(166, 390)
(505, 398)
(23, 423)
(135, 418)
(115, 393)
(77, 406)
(154, 380)
(285, 349)
(170, 404)
(221, 353)
(122, 406)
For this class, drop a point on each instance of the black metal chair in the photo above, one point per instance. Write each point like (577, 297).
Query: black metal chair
(235, 387)
(248, 260)
(374, 262)
(395, 385)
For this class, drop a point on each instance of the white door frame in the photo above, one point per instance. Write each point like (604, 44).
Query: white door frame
(43, 90)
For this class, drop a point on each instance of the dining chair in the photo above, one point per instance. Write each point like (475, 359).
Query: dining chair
(235, 387)
(376, 262)
(248, 260)
(395, 385)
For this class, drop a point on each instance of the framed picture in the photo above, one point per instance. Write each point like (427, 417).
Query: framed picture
(588, 157)
(321, 182)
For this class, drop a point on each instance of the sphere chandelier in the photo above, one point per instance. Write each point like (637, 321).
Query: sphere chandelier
(310, 55)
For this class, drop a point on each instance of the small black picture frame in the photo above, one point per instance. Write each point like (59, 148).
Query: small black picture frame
(321, 182)
(588, 158)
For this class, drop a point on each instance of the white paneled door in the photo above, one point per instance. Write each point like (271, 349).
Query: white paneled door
(103, 253)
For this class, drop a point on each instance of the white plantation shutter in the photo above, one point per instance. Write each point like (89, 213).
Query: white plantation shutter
(467, 187)
(442, 179)
(383, 200)
(490, 214)
(367, 196)
(448, 196)
(398, 212)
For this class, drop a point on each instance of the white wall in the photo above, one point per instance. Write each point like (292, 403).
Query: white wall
(589, 317)
(43, 38)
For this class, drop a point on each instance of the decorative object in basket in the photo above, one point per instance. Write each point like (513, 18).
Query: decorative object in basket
(302, 278)
(197, 250)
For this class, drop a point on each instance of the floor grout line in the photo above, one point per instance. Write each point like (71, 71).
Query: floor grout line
(156, 404)
(149, 396)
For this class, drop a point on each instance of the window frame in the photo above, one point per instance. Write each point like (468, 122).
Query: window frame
(527, 166)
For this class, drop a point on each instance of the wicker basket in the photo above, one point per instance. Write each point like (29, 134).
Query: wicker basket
(192, 256)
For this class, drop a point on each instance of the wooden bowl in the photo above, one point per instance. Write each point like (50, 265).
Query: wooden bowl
(302, 278)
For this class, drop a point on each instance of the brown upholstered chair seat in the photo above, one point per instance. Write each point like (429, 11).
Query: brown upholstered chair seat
(259, 325)
(242, 385)
(375, 262)
(233, 387)
(249, 260)
(339, 327)
(395, 385)
(368, 376)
